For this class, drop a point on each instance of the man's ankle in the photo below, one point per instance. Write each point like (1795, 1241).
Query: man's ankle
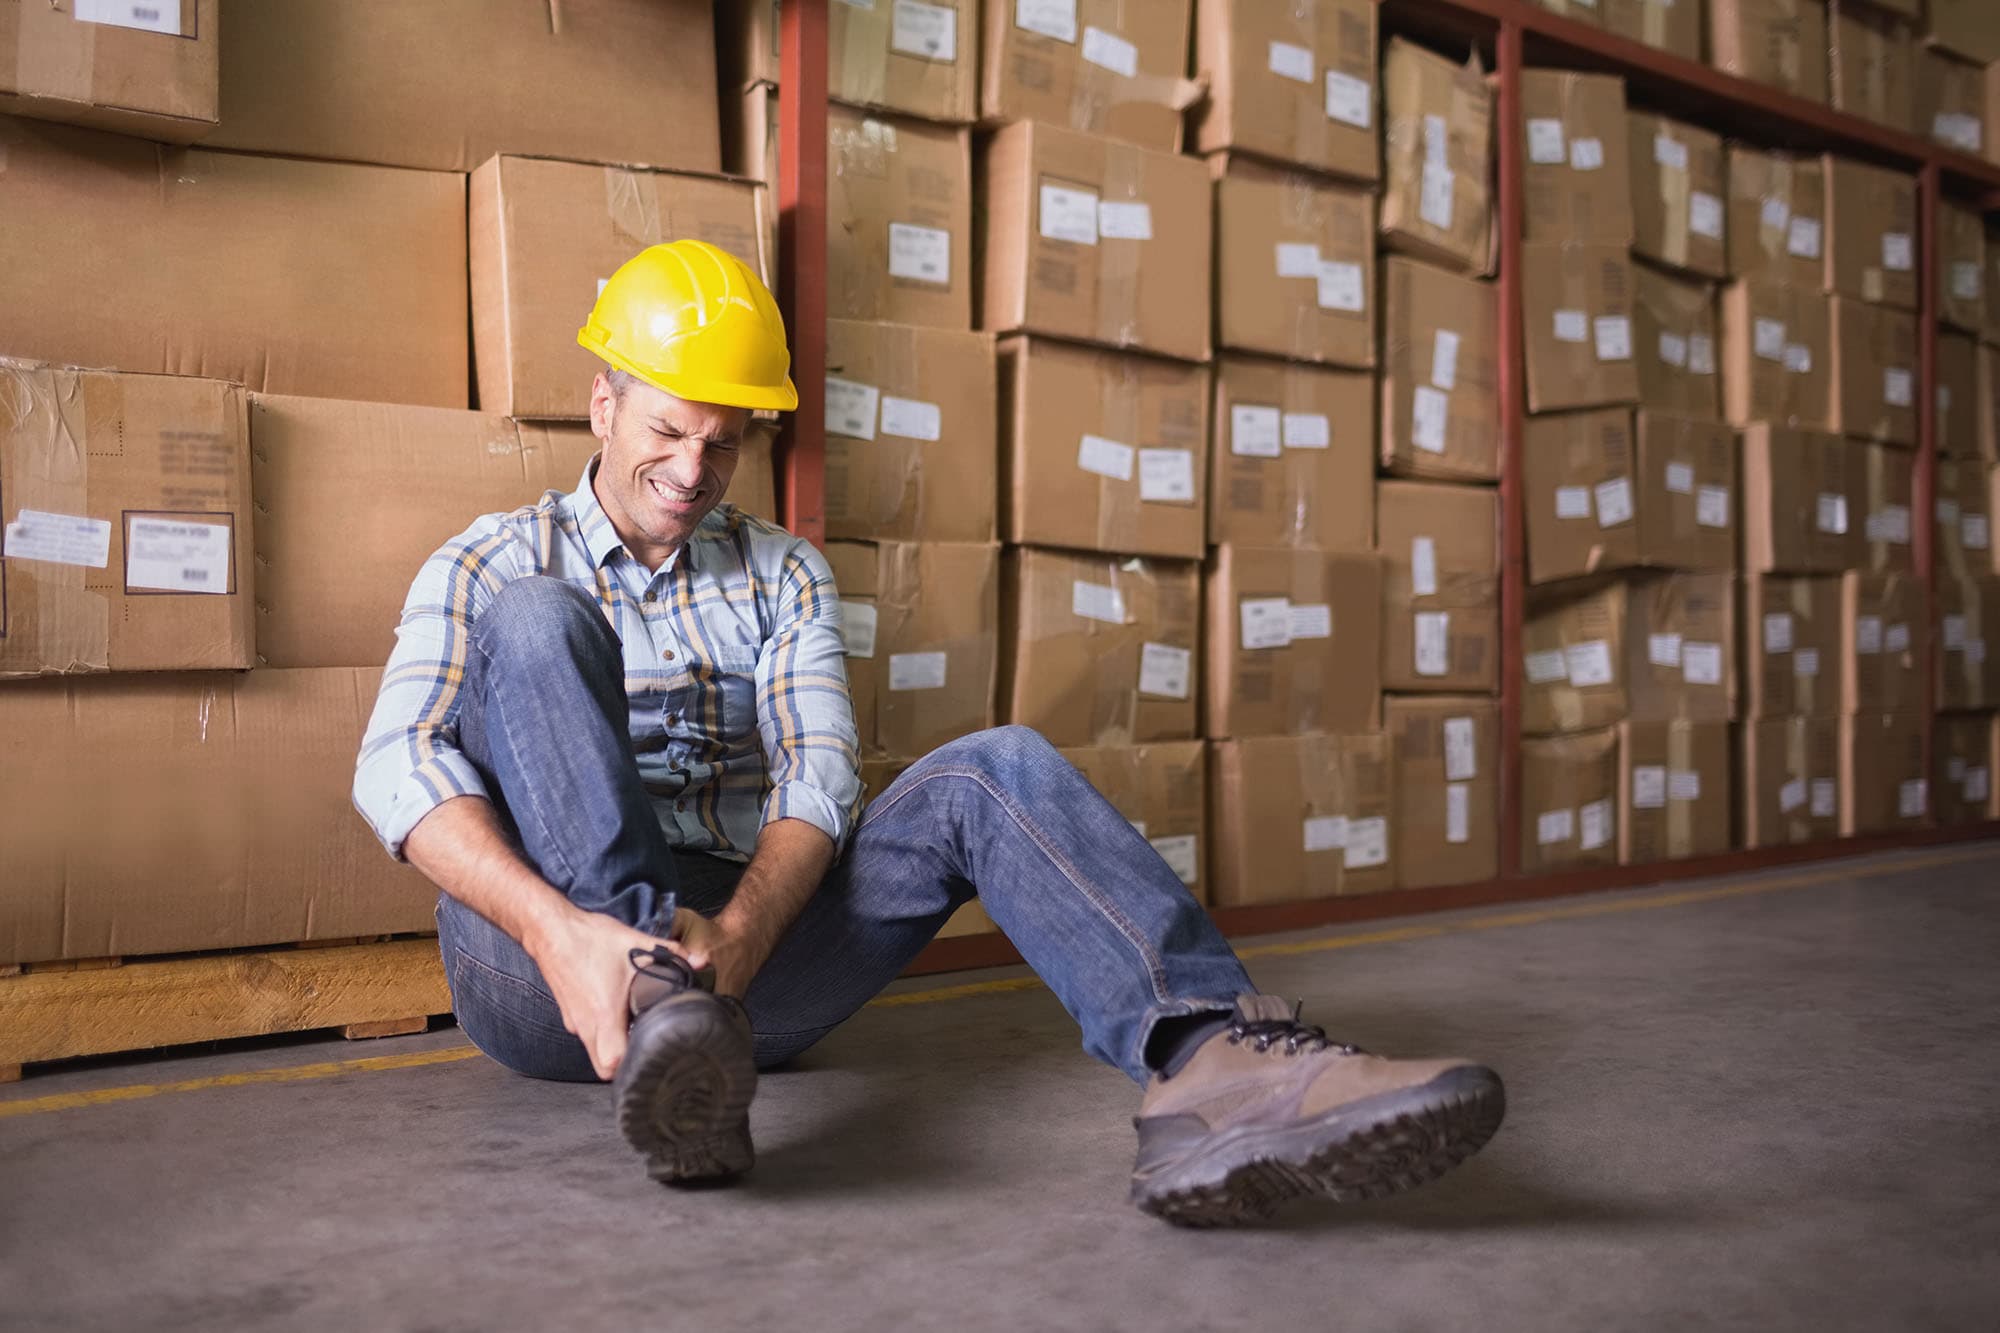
(1174, 1040)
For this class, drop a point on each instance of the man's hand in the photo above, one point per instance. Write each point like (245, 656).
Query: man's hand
(586, 959)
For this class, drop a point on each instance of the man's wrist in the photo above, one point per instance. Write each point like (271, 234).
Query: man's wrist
(542, 916)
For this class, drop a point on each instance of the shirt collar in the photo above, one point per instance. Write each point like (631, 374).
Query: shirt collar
(601, 539)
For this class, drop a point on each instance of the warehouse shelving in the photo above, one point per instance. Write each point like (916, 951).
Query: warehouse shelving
(1513, 34)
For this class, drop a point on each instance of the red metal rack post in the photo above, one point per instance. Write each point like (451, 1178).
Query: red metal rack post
(1923, 487)
(1513, 419)
(801, 452)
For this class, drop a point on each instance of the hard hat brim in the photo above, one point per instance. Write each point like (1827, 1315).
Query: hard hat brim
(757, 397)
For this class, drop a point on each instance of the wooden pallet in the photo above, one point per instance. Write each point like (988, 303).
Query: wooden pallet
(56, 1011)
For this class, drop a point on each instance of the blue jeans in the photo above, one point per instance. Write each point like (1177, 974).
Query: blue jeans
(1000, 815)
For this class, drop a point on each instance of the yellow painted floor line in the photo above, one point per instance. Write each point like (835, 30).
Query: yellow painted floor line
(68, 1101)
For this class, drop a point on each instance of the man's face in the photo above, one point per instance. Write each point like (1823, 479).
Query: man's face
(666, 462)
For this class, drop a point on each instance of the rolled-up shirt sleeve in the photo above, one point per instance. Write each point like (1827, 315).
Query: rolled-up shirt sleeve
(805, 716)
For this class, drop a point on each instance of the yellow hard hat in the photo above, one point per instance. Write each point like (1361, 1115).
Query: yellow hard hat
(696, 321)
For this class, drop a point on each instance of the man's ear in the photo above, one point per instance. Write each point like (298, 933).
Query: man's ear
(603, 406)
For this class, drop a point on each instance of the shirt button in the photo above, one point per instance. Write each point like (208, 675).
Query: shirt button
(673, 719)
(680, 805)
(667, 655)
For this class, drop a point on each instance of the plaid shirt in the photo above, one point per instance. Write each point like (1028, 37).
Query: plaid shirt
(735, 641)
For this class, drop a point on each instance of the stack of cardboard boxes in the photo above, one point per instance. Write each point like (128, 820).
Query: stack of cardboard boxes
(208, 534)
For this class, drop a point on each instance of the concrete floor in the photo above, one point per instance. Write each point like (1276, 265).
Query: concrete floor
(1773, 1108)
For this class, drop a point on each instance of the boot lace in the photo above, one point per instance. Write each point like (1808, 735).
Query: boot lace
(659, 963)
(1261, 1034)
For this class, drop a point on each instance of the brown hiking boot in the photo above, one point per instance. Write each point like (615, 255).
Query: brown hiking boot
(1269, 1110)
(683, 1090)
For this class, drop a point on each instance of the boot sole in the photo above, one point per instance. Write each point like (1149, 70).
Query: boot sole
(684, 1098)
(1368, 1150)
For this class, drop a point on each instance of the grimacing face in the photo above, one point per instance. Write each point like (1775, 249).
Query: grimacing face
(665, 462)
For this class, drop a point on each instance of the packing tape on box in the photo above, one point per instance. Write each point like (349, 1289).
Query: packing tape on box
(1680, 814)
(863, 63)
(1301, 209)
(632, 201)
(1677, 192)
(1095, 89)
(55, 55)
(1090, 600)
(1118, 260)
(858, 152)
(43, 411)
(1321, 761)
(1118, 502)
(1798, 768)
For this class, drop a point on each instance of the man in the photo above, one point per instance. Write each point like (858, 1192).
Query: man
(616, 732)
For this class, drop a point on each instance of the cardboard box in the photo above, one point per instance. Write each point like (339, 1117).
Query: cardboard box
(546, 234)
(1675, 337)
(1292, 84)
(1951, 102)
(1961, 292)
(1647, 647)
(1777, 42)
(1790, 791)
(922, 643)
(1440, 374)
(1968, 619)
(1988, 403)
(1881, 481)
(1881, 659)
(1969, 28)
(1445, 758)
(386, 486)
(1101, 451)
(1163, 790)
(1672, 27)
(1874, 373)
(1293, 461)
(125, 504)
(1777, 217)
(1962, 538)
(1777, 353)
(1794, 646)
(221, 283)
(241, 832)
(1872, 66)
(1679, 185)
(1293, 642)
(1958, 405)
(446, 84)
(899, 220)
(1673, 791)
(1095, 240)
(917, 59)
(1440, 547)
(912, 434)
(1962, 768)
(1578, 173)
(1437, 201)
(1099, 650)
(1871, 228)
(1569, 801)
(1090, 65)
(1577, 304)
(1796, 507)
(1686, 493)
(1883, 786)
(1295, 265)
(1296, 817)
(148, 70)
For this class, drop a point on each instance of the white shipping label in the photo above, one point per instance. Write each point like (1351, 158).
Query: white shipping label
(1166, 476)
(161, 16)
(1897, 386)
(1673, 350)
(61, 539)
(1957, 130)
(1572, 502)
(1701, 355)
(1832, 512)
(1546, 145)
(1975, 651)
(1069, 214)
(1649, 787)
(1423, 567)
(1552, 826)
(1291, 62)
(1705, 215)
(1050, 18)
(1701, 663)
(1896, 639)
(1461, 751)
(1684, 784)
(1457, 813)
(1976, 784)
(1325, 833)
(1349, 100)
(1792, 795)
(1768, 338)
(1310, 620)
(916, 671)
(1805, 663)
(1802, 240)
(1891, 525)
(1586, 154)
(1777, 632)
(912, 418)
(1897, 252)
(1107, 458)
(1430, 419)
(1437, 141)
(1298, 259)
(1868, 634)
(1798, 358)
(922, 254)
(1367, 843)
(1341, 286)
(1596, 823)
(1670, 152)
(1434, 204)
(1253, 430)
(1664, 650)
(1965, 281)
(1972, 532)
(1947, 512)
(1954, 634)
(1589, 663)
(1444, 359)
(1432, 649)
(1912, 797)
(1097, 601)
(1614, 502)
(929, 31)
(1308, 430)
(1182, 855)
(1125, 221)
(1572, 326)
(1955, 770)
(1111, 51)
(177, 555)
(1825, 798)
(1776, 213)
(1711, 507)
(1547, 667)
(1266, 622)
(857, 627)
(1165, 671)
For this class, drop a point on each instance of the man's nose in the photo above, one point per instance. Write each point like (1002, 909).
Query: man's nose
(684, 466)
